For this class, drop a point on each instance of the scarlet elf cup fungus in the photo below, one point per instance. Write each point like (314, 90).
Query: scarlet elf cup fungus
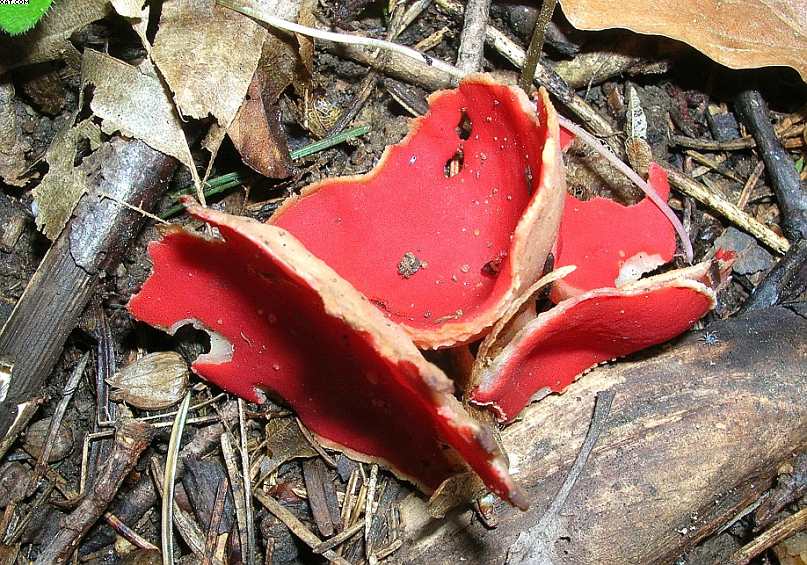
(283, 321)
(454, 222)
(548, 351)
(612, 244)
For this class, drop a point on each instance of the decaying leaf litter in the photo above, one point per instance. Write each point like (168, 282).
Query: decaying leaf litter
(166, 101)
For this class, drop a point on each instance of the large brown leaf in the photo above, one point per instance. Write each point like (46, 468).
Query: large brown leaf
(740, 34)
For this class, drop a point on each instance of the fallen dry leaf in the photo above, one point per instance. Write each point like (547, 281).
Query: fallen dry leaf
(137, 14)
(132, 100)
(50, 39)
(154, 382)
(12, 146)
(740, 34)
(64, 183)
(284, 442)
(207, 55)
(257, 134)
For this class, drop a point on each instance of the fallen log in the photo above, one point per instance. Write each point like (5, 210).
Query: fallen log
(91, 244)
(694, 436)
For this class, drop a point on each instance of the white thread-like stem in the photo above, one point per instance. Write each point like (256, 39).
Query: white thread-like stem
(293, 27)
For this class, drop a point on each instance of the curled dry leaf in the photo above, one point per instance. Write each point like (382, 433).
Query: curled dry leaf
(257, 134)
(266, 301)
(284, 442)
(64, 184)
(207, 55)
(37, 433)
(50, 39)
(132, 100)
(550, 350)
(611, 244)
(454, 222)
(153, 382)
(741, 34)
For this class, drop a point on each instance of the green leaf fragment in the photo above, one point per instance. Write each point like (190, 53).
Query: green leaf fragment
(19, 18)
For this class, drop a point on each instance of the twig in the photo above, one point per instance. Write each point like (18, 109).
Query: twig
(25, 413)
(169, 476)
(712, 164)
(56, 419)
(137, 209)
(280, 23)
(215, 519)
(781, 172)
(131, 536)
(750, 185)
(778, 532)
(297, 527)
(242, 429)
(787, 279)
(314, 443)
(531, 545)
(720, 204)
(536, 44)
(368, 509)
(738, 144)
(339, 538)
(236, 483)
(131, 438)
(472, 38)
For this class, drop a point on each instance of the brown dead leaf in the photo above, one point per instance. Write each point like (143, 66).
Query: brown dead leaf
(207, 55)
(50, 39)
(132, 100)
(257, 134)
(12, 146)
(284, 442)
(64, 183)
(740, 34)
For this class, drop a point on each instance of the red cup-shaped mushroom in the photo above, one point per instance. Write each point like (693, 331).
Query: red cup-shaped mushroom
(611, 244)
(528, 355)
(454, 222)
(283, 322)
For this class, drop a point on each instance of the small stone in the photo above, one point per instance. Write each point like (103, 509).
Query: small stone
(409, 265)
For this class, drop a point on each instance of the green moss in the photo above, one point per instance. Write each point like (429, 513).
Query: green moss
(19, 18)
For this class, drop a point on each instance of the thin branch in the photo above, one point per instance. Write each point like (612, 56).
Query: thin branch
(472, 38)
(778, 532)
(536, 44)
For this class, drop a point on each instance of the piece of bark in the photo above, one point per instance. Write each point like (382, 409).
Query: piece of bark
(91, 244)
(318, 484)
(201, 480)
(131, 438)
(694, 436)
(779, 167)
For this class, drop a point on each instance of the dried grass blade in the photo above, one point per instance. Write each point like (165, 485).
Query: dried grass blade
(167, 533)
